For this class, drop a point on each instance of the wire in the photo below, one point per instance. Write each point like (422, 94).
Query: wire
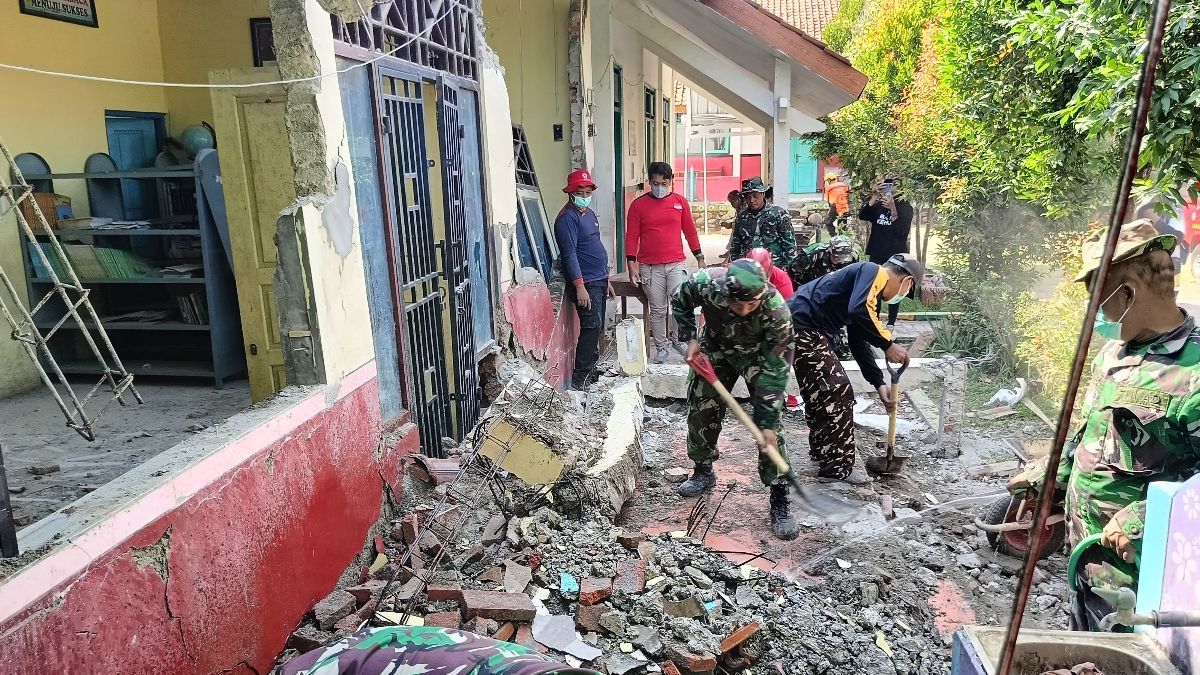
(195, 85)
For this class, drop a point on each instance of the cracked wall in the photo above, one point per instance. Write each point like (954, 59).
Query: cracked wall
(217, 580)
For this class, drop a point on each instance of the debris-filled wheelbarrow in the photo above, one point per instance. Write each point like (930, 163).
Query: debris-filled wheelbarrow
(1007, 522)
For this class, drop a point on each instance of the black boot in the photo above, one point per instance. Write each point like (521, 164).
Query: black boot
(783, 525)
(702, 479)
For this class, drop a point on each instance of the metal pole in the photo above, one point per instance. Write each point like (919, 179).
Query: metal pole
(704, 168)
(1145, 90)
(8, 526)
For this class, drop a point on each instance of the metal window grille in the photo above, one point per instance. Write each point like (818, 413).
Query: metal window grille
(438, 34)
(525, 173)
(67, 300)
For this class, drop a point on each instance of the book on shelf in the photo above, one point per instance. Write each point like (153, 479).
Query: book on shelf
(121, 264)
(85, 261)
(193, 308)
(39, 268)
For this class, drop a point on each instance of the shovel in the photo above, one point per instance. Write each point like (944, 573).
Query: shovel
(810, 499)
(890, 463)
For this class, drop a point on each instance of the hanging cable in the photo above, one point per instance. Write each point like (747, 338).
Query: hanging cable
(1116, 217)
(196, 85)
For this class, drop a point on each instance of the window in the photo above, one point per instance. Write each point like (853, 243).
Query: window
(651, 104)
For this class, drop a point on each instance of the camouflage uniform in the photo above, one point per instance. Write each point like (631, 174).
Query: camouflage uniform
(812, 263)
(424, 649)
(771, 228)
(757, 347)
(1141, 423)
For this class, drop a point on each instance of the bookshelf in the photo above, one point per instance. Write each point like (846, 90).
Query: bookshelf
(164, 290)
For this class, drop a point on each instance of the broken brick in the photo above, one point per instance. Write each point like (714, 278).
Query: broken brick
(474, 555)
(669, 668)
(484, 626)
(366, 590)
(441, 593)
(631, 577)
(430, 544)
(738, 637)
(308, 638)
(505, 632)
(443, 620)
(494, 575)
(498, 605)
(593, 590)
(524, 637)
(630, 540)
(333, 607)
(367, 611)
(347, 625)
(691, 663)
(417, 471)
(409, 528)
(587, 617)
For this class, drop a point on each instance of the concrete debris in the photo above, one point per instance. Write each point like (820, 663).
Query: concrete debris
(1088, 668)
(333, 608)
(558, 632)
(516, 577)
(44, 468)
(700, 578)
(620, 664)
(687, 608)
(676, 474)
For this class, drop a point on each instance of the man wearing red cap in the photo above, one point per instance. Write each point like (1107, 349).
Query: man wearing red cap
(585, 268)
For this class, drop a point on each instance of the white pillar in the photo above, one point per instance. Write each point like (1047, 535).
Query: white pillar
(781, 135)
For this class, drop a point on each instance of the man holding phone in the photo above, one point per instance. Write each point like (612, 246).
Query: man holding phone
(890, 216)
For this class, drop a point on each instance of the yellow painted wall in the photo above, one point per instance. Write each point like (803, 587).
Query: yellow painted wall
(530, 37)
(62, 119)
(198, 37)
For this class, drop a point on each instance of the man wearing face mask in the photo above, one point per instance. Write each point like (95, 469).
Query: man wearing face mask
(746, 334)
(585, 267)
(657, 223)
(849, 298)
(763, 225)
(1140, 419)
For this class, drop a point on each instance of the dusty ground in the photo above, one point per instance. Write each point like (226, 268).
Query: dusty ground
(33, 432)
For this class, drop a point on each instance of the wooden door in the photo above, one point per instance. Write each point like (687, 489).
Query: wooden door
(256, 170)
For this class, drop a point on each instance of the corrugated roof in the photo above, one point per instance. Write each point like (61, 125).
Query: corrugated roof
(810, 16)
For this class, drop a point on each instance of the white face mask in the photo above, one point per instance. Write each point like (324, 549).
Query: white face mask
(899, 295)
(659, 191)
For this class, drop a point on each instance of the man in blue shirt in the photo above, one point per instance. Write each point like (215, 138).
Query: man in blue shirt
(585, 268)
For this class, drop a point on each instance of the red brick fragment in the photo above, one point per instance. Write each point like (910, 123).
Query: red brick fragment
(409, 526)
(418, 471)
(506, 632)
(524, 637)
(379, 547)
(498, 605)
(443, 620)
(738, 637)
(474, 555)
(630, 540)
(587, 617)
(631, 576)
(368, 589)
(669, 668)
(440, 593)
(347, 625)
(367, 611)
(689, 663)
(593, 590)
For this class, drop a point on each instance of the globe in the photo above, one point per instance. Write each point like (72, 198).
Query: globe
(196, 138)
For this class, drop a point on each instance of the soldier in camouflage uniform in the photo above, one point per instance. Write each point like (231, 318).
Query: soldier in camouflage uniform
(424, 649)
(762, 225)
(816, 260)
(747, 333)
(1140, 420)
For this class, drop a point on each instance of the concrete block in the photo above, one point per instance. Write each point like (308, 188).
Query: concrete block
(615, 473)
(498, 605)
(333, 608)
(631, 346)
(529, 459)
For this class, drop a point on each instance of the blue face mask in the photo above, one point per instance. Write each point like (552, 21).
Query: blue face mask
(659, 191)
(1110, 330)
(581, 202)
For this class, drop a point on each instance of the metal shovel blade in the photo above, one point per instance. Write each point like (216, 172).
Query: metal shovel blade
(888, 464)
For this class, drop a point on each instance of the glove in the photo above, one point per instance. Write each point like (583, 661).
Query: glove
(1025, 484)
(1123, 529)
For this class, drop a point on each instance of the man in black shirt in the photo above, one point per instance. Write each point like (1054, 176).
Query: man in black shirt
(890, 216)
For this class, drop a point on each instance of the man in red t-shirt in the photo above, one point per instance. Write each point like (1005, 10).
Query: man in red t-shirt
(657, 222)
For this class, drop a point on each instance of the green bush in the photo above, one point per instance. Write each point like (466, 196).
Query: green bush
(1049, 332)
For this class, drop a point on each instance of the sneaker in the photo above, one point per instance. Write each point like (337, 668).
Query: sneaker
(702, 479)
(792, 402)
(783, 526)
(891, 327)
(661, 355)
(681, 348)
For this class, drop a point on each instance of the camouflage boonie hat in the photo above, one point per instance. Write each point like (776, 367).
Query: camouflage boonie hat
(1136, 238)
(841, 251)
(745, 281)
(755, 184)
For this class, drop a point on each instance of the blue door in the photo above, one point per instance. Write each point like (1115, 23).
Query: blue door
(477, 249)
(133, 143)
(804, 166)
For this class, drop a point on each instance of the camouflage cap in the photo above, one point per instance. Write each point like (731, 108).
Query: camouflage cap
(745, 281)
(1136, 238)
(755, 184)
(841, 251)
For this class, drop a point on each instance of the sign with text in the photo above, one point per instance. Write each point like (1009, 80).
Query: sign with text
(82, 12)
